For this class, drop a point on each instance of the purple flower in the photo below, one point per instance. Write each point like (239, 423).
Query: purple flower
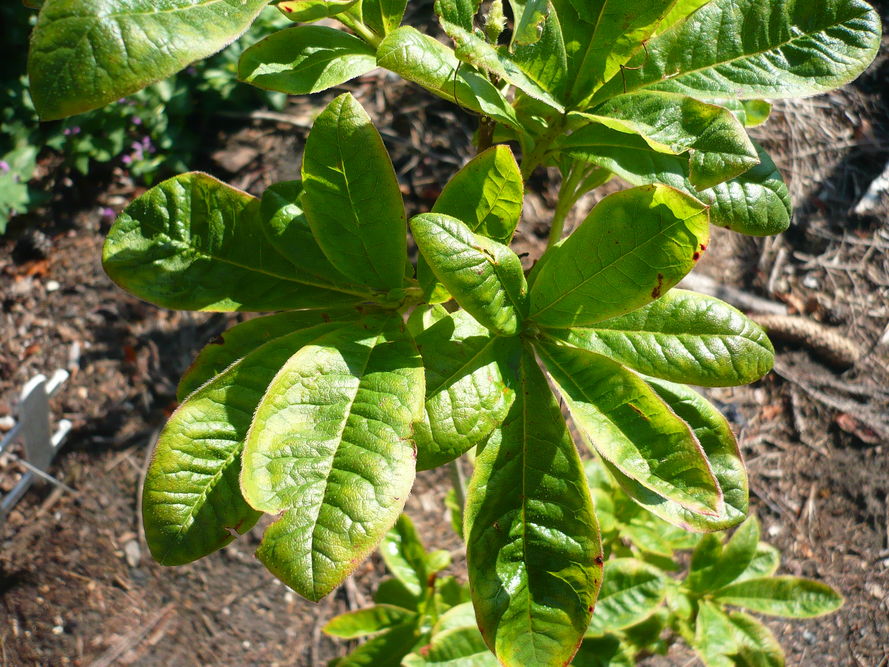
(136, 120)
(107, 213)
(127, 159)
(4, 166)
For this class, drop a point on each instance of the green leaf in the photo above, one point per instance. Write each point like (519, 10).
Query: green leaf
(734, 640)
(718, 145)
(305, 11)
(469, 388)
(472, 49)
(485, 277)
(351, 197)
(458, 647)
(405, 556)
(528, 20)
(632, 428)
(335, 455)
(286, 227)
(601, 36)
(486, 195)
(631, 592)
(86, 54)
(383, 16)
(460, 616)
(791, 597)
(730, 560)
(607, 651)
(458, 12)
(683, 337)
(305, 59)
(191, 499)
(632, 247)
(764, 563)
(393, 592)
(194, 243)
(756, 202)
(544, 59)
(680, 11)
(354, 624)
(424, 60)
(385, 650)
(752, 49)
(533, 548)
(722, 452)
(244, 338)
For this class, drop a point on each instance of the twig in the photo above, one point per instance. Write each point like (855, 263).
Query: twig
(734, 296)
(133, 638)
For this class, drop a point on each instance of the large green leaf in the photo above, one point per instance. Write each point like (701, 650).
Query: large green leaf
(632, 247)
(351, 197)
(194, 243)
(458, 12)
(751, 49)
(334, 455)
(485, 277)
(468, 387)
(86, 54)
(607, 651)
(631, 592)
(361, 622)
(718, 146)
(601, 36)
(383, 16)
(723, 564)
(244, 338)
(683, 337)
(532, 549)
(486, 195)
(679, 11)
(632, 428)
(306, 59)
(458, 647)
(191, 500)
(424, 60)
(756, 202)
(719, 444)
(791, 597)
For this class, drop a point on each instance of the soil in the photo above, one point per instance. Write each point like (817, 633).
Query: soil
(77, 585)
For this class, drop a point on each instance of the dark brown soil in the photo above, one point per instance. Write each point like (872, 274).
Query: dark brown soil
(77, 585)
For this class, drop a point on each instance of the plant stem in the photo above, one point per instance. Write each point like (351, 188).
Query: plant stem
(580, 180)
(355, 24)
(533, 159)
(458, 481)
(485, 133)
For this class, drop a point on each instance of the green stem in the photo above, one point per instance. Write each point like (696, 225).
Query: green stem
(533, 159)
(355, 24)
(567, 198)
(458, 481)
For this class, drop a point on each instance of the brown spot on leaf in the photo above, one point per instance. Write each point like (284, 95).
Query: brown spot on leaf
(656, 290)
(217, 340)
(638, 411)
(696, 256)
(599, 561)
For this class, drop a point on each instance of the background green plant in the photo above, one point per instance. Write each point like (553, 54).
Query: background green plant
(152, 133)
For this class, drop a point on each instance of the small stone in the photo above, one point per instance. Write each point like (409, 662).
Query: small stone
(775, 530)
(809, 636)
(52, 285)
(133, 553)
(58, 629)
(6, 423)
